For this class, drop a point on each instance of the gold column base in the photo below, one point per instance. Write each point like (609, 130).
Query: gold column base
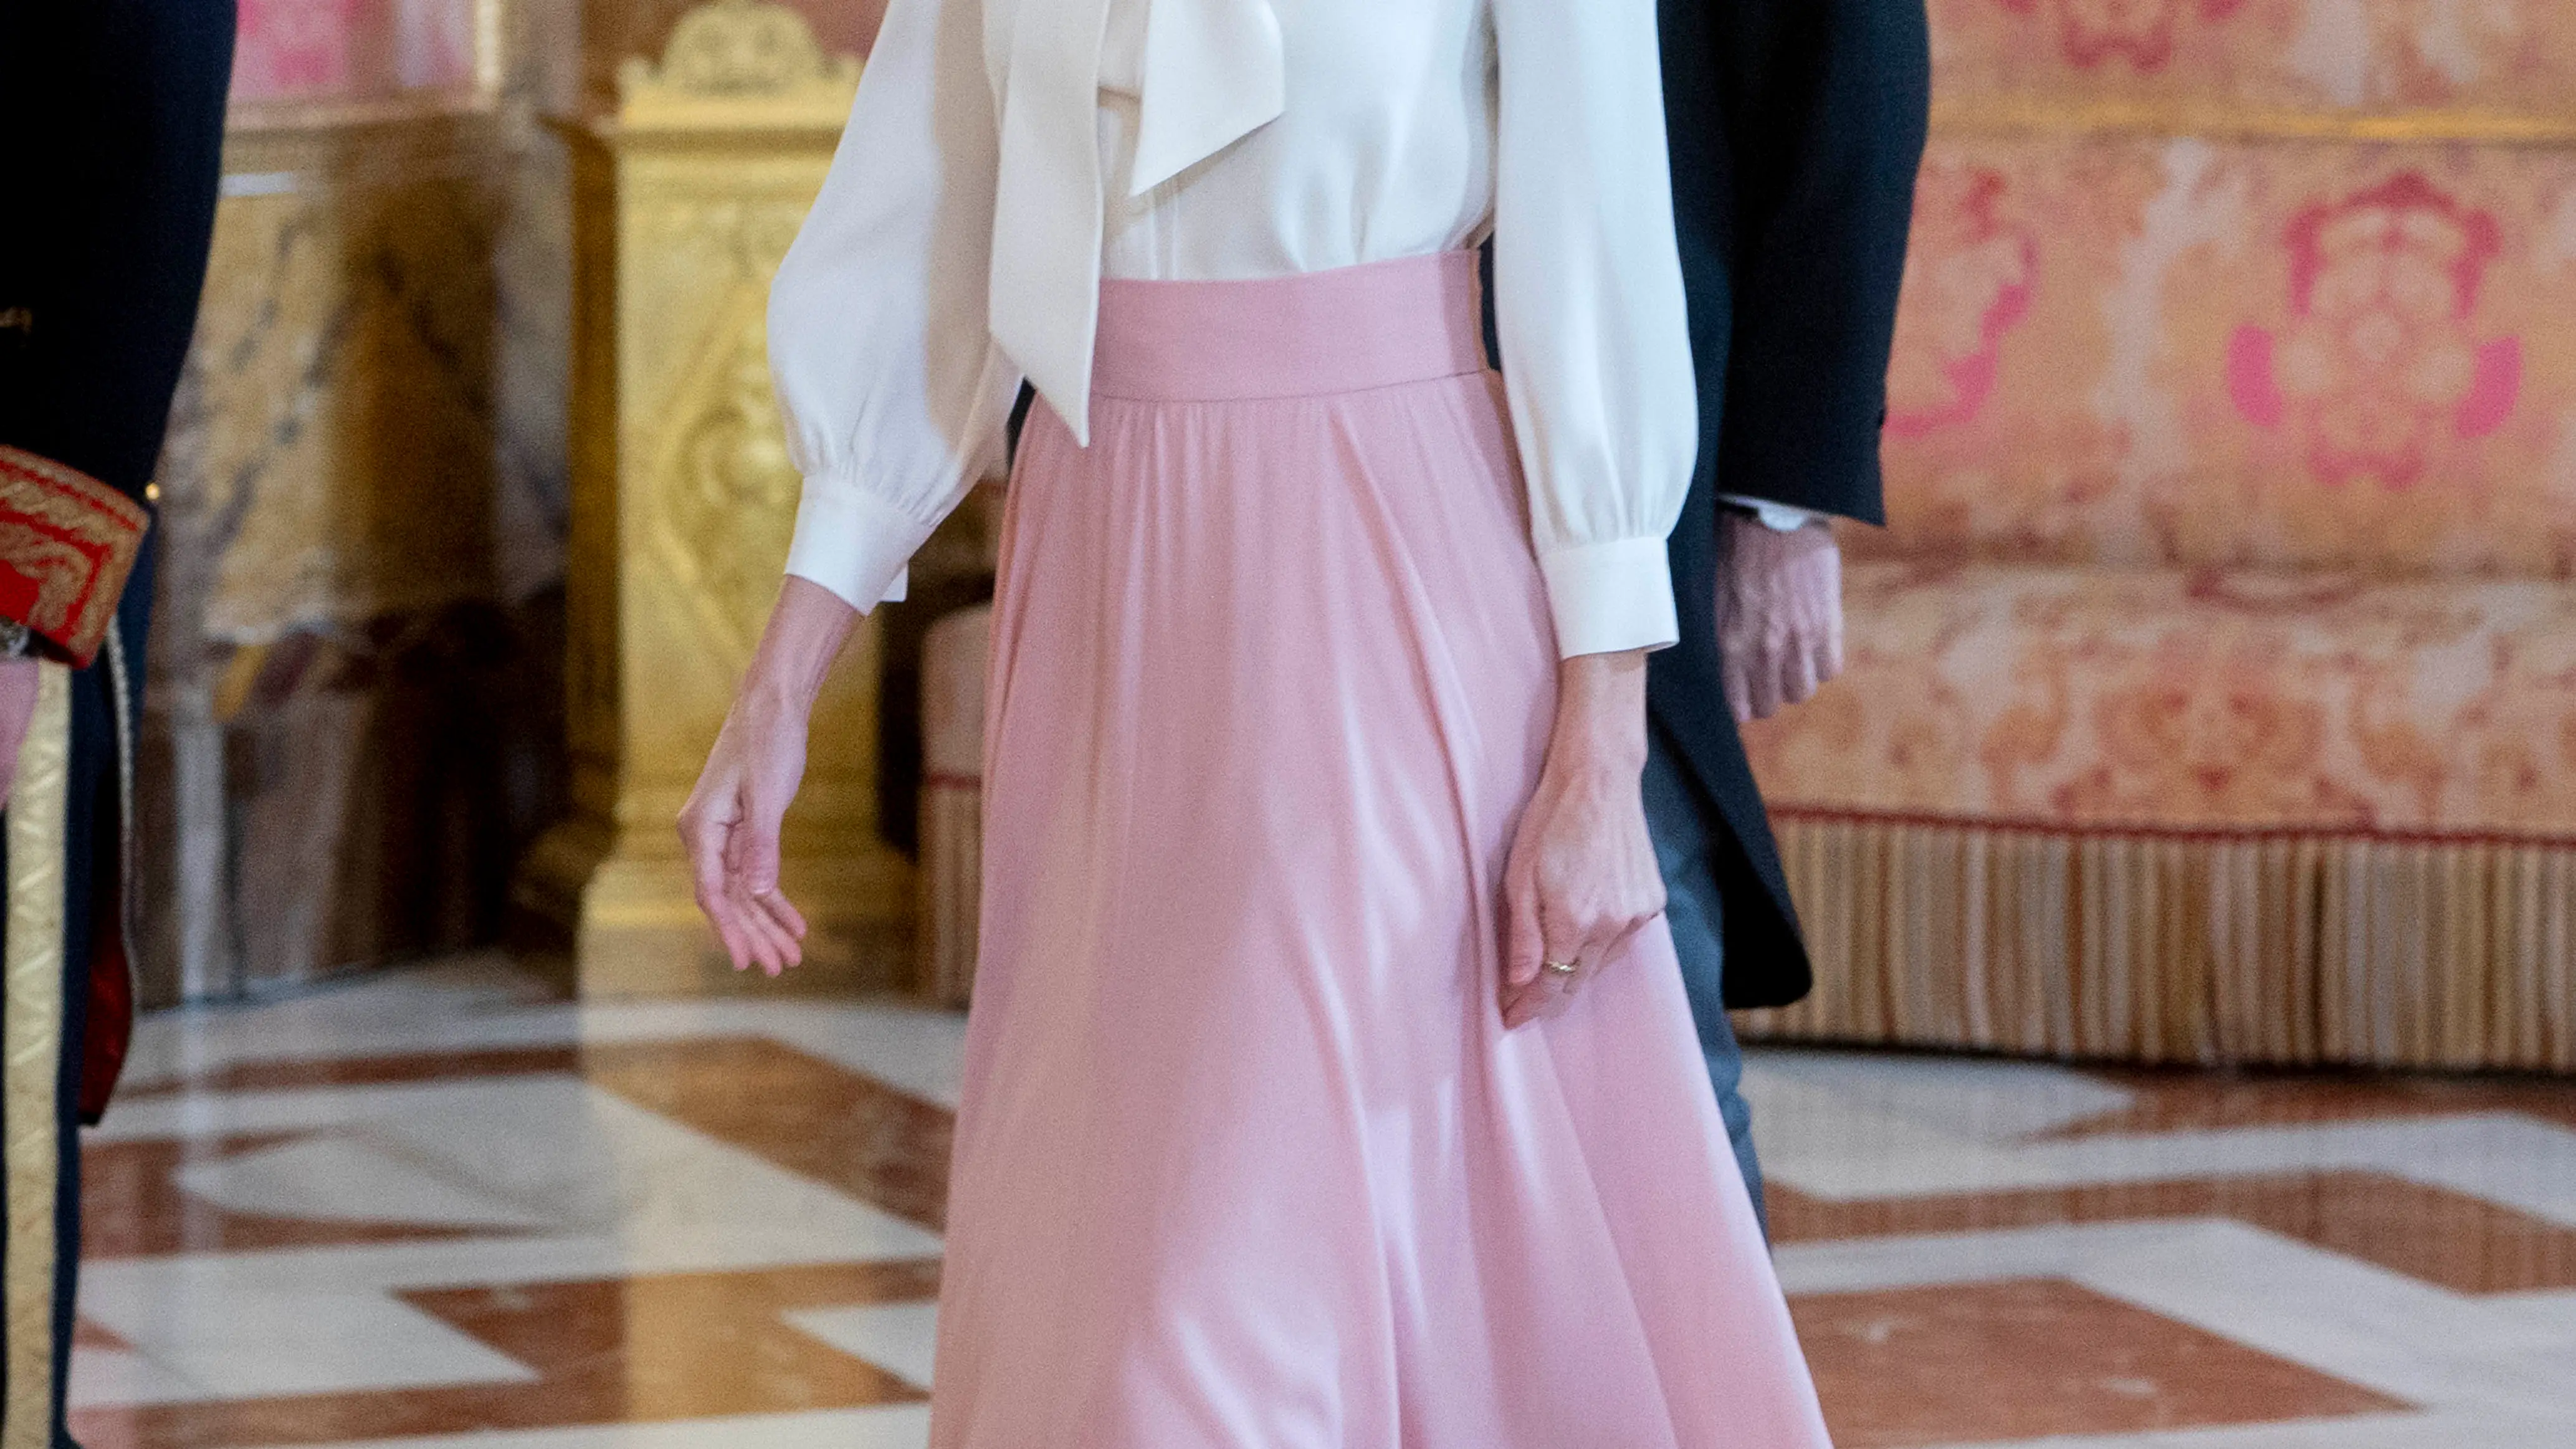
(684, 498)
(631, 917)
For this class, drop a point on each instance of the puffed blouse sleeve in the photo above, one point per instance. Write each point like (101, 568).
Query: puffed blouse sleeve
(1589, 304)
(893, 393)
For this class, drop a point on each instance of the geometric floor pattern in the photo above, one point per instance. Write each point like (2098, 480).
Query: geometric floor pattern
(437, 1210)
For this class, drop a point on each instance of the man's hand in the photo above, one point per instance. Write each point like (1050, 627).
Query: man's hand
(18, 680)
(1779, 613)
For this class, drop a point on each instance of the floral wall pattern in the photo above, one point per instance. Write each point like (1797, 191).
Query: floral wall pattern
(2231, 476)
(2320, 54)
(291, 51)
(2379, 360)
(2154, 351)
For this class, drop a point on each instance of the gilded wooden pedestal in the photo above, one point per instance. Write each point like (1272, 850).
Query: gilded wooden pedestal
(683, 500)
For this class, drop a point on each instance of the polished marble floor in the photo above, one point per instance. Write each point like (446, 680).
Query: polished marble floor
(441, 1210)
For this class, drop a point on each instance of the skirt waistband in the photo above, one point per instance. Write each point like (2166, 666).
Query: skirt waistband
(1380, 324)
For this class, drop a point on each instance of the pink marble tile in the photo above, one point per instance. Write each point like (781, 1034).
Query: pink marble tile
(802, 1113)
(2446, 1238)
(2026, 1358)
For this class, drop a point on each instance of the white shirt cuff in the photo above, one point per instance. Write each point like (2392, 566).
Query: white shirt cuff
(855, 544)
(1610, 597)
(1778, 517)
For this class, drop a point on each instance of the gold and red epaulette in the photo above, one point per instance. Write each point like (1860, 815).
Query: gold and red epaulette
(67, 542)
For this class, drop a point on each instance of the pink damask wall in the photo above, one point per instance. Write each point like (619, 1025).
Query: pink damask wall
(2336, 54)
(2213, 693)
(2231, 448)
(2299, 305)
(353, 50)
(2147, 350)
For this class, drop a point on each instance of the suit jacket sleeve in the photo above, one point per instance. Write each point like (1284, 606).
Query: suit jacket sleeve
(1818, 109)
(111, 145)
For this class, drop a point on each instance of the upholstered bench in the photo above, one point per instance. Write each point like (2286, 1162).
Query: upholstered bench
(2213, 689)
(2174, 815)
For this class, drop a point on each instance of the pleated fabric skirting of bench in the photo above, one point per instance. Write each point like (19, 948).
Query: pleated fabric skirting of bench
(2281, 947)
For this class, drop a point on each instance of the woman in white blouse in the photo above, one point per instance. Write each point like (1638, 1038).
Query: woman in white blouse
(1329, 1082)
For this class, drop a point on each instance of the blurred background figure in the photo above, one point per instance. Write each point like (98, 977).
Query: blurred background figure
(1795, 128)
(111, 139)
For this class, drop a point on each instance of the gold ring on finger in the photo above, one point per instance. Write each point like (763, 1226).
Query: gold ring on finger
(1560, 968)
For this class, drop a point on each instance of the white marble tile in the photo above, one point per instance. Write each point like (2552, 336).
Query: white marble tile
(349, 1179)
(2519, 1162)
(138, 1298)
(478, 1006)
(116, 1377)
(1992, 1101)
(1827, 1143)
(477, 1000)
(312, 1109)
(259, 1341)
(474, 1004)
(2057, 1250)
(1854, 1127)
(898, 1426)
(620, 1190)
(560, 1152)
(2354, 1320)
(897, 1337)
(916, 1050)
(2548, 1317)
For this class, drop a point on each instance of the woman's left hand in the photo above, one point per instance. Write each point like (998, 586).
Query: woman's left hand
(1582, 877)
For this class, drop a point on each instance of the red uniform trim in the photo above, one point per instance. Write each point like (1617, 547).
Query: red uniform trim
(67, 543)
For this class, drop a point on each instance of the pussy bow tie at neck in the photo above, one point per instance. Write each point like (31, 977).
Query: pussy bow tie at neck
(1214, 72)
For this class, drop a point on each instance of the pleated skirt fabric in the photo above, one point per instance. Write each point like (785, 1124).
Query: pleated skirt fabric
(1245, 1158)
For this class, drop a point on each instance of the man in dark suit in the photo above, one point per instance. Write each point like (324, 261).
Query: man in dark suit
(111, 144)
(1796, 127)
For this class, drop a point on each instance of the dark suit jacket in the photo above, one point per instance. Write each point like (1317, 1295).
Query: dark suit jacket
(1796, 127)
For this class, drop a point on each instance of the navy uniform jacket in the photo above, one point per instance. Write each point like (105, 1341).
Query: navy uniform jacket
(111, 142)
(1796, 127)
(111, 137)
(111, 146)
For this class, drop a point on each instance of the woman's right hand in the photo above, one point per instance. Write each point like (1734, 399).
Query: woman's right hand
(730, 826)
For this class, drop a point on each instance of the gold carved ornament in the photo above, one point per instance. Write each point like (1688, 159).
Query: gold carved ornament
(725, 490)
(721, 493)
(734, 64)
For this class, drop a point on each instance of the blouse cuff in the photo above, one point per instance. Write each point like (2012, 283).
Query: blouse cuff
(854, 543)
(1610, 597)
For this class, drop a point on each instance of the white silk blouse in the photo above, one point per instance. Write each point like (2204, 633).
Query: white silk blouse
(1005, 155)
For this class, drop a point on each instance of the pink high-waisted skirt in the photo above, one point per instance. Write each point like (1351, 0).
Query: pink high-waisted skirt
(1245, 1158)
